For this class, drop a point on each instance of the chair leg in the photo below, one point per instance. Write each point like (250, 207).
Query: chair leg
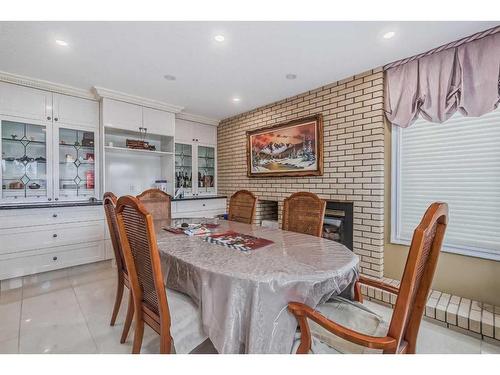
(138, 334)
(128, 318)
(118, 300)
(165, 344)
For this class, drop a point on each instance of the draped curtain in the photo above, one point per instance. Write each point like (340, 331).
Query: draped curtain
(434, 85)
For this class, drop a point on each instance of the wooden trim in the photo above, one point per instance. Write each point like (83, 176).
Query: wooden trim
(374, 342)
(101, 92)
(197, 118)
(318, 118)
(40, 84)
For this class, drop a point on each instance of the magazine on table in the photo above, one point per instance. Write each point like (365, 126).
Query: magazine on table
(238, 241)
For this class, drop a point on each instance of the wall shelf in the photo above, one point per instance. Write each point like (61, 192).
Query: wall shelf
(133, 150)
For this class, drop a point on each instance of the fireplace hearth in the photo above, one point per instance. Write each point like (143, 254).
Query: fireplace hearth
(338, 222)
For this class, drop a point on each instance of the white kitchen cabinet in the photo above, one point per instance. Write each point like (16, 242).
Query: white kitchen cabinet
(25, 102)
(158, 122)
(198, 207)
(196, 168)
(42, 239)
(121, 115)
(189, 132)
(72, 111)
(126, 116)
(49, 146)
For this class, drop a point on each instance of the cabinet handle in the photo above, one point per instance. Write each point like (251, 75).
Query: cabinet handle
(54, 258)
(49, 199)
(55, 119)
(54, 235)
(56, 199)
(203, 204)
(48, 118)
(54, 215)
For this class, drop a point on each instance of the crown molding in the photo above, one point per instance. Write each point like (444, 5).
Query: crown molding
(101, 92)
(46, 85)
(197, 118)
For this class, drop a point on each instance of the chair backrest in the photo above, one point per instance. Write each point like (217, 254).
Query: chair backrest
(158, 204)
(418, 274)
(242, 207)
(109, 202)
(142, 258)
(304, 212)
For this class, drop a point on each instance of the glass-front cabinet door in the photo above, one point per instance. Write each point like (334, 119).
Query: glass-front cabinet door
(184, 168)
(206, 170)
(75, 170)
(26, 168)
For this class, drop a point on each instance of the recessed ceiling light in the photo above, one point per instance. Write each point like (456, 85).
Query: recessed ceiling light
(291, 76)
(61, 42)
(389, 35)
(219, 38)
(236, 100)
(169, 77)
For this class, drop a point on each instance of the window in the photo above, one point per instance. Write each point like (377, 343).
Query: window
(457, 162)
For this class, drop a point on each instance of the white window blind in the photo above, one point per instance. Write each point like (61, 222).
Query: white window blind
(457, 162)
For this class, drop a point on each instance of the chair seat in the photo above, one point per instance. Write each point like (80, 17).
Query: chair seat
(186, 327)
(350, 314)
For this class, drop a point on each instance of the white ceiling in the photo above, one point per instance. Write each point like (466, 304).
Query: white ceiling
(251, 63)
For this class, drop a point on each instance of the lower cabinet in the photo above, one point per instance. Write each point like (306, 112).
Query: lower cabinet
(49, 239)
(198, 208)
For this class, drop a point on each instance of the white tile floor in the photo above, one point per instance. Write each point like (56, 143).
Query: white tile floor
(68, 311)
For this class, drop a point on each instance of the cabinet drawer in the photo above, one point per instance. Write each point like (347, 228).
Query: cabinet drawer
(44, 236)
(199, 205)
(42, 261)
(43, 216)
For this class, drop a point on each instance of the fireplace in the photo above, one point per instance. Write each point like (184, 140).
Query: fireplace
(338, 222)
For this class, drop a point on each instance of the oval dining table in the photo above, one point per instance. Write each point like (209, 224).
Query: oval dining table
(243, 295)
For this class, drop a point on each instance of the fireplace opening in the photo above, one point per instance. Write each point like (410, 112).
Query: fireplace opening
(338, 222)
(267, 213)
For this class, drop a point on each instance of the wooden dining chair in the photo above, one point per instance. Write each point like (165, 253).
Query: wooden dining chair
(242, 207)
(400, 335)
(151, 306)
(158, 204)
(109, 201)
(304, 212)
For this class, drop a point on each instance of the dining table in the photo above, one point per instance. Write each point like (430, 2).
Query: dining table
(243, 295)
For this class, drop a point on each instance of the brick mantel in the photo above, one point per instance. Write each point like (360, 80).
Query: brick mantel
(353, 156)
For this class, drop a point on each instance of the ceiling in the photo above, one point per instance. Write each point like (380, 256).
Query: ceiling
(250, 64)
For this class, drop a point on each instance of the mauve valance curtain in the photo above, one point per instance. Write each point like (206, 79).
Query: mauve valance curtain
(435, 86)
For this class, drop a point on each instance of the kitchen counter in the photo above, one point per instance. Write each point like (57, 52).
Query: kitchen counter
(49, 205)
(199, 197)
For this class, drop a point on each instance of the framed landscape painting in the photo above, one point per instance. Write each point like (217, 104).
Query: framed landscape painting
(294, 148)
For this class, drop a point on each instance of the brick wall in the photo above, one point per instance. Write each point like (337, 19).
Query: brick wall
(353, 155)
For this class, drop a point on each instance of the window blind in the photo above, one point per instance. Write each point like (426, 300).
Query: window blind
(457, 162)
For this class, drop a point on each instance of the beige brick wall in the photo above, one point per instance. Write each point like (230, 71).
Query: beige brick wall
(353, 155)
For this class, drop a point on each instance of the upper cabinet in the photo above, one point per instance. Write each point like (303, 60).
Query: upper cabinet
(121, 115)
(49, 146)
(189, 132)
(126, 116)
(72, 111)
(158, 122)
(25, 102)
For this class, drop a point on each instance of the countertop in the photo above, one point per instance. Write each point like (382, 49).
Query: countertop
(199, 197)
(49, 205)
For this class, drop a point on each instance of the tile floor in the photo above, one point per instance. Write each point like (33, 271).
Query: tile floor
(68, 311)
